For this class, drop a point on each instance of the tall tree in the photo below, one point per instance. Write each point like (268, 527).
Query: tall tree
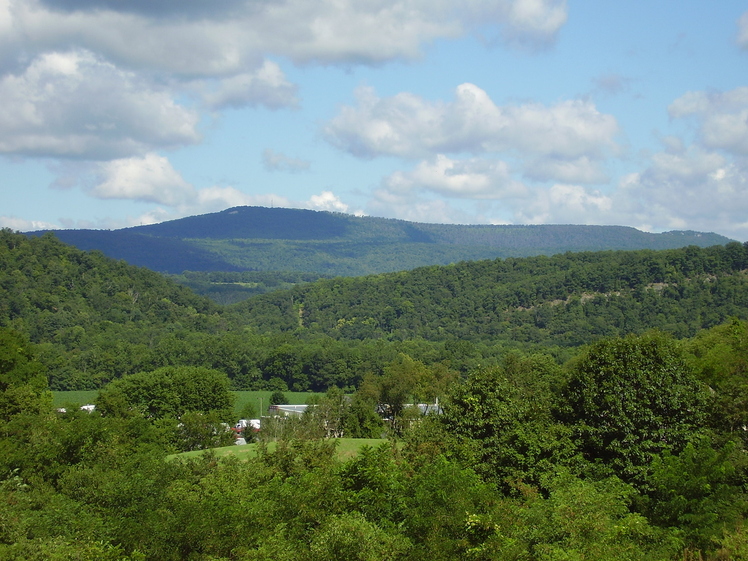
(630, 398)
(171, 391)
(23, 385)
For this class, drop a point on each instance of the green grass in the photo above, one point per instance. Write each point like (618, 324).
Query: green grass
(62, 399)
(347, 448)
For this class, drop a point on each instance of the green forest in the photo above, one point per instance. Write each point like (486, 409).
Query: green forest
(583, 406)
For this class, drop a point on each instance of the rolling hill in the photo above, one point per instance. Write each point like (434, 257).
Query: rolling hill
(95, 319)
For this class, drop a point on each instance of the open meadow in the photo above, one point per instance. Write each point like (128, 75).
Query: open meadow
(346, 448)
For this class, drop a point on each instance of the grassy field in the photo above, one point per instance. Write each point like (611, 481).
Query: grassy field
(258, 400)
(347, 448)
(63, 399)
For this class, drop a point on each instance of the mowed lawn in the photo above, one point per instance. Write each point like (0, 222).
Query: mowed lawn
(258, 400)
(346, 449)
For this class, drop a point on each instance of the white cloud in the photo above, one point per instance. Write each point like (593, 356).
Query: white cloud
(692, 188)
(228, 38)
(276, 161)
(150, 178)
(743, 31)
(98, 79)
(567, 204)
(72, 104)
(266, 86)
(413, 206)
(535, 23)
(217, 198)
(23, 225)
(473, 178)
(722, 117)
(571, 133)
(327, 200)
(573, 170)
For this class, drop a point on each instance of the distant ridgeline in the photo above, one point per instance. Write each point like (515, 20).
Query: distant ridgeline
(334, 244)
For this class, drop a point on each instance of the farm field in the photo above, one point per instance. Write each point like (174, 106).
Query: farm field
(347, 448)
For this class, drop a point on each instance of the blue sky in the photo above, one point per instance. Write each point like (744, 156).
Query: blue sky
(116, 113)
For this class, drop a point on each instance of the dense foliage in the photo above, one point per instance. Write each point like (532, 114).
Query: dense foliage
(630, 447)
(502, 473)
(96, 320)
(568, 299)
(229, 287)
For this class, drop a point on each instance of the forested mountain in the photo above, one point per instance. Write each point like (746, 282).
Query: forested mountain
(90, 313)
(94, 319)
(334, 244)
(567, 299)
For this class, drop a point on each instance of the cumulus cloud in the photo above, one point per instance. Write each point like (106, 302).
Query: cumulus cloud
(534, 24)
(195, 37)
(691, 187)
(23, 225)
(743, 31)
(473, 178)
(702, 186)
(722, 117)
(150, 178)
(327, 200)
(90, 89)
(566, 204)
(561, 141)
(276, 161)
(416, 207)
(574, 170)
(266, 86)
(72, 104)
(408, 126)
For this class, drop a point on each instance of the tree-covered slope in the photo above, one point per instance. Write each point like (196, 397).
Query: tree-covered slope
(95, 319)
(277, 239)
(566, 299)
(92, 315)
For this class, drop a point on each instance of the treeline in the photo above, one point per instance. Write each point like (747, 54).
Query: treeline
(568, 299)
(634, 450)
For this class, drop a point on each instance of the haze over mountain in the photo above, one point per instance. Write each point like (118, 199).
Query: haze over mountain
(326, 243)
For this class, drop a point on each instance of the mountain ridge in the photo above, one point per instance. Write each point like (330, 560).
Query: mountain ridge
(329, 243)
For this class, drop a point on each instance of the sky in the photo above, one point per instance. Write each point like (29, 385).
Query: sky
(116, 113)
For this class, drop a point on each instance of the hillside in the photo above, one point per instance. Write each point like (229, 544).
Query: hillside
(94, 319)
(333, 244)
(567, 299)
